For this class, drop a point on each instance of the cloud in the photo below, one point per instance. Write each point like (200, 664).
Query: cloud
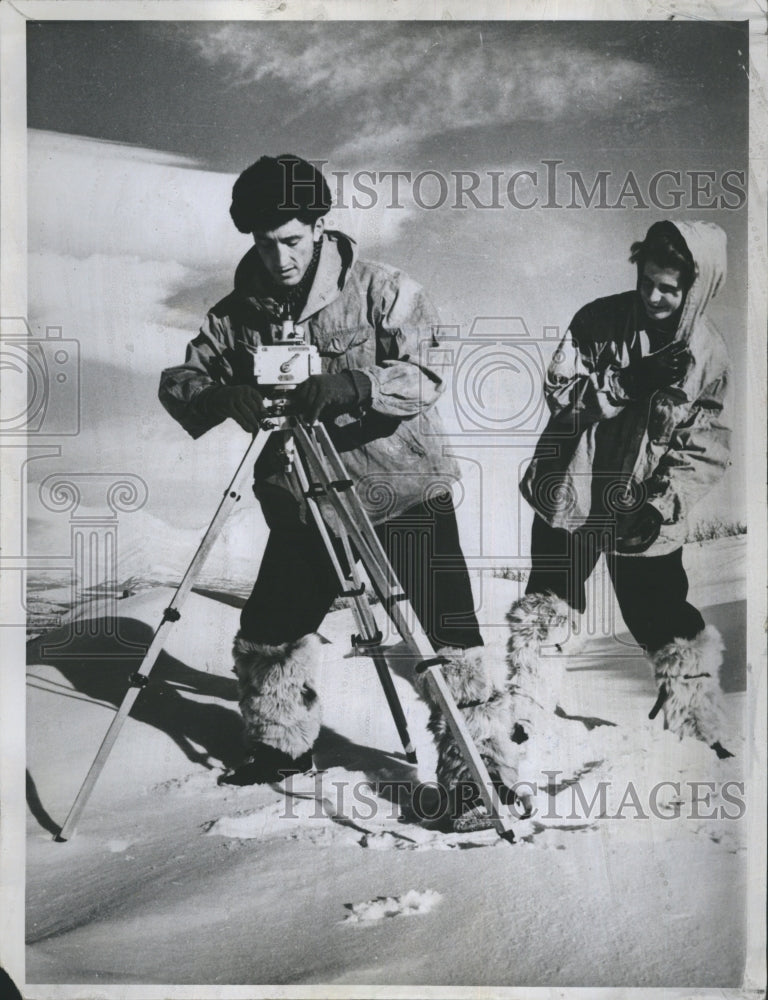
(392, 84)
(115, 233)
(90, 197)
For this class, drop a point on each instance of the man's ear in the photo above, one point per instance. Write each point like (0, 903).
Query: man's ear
(318, 229)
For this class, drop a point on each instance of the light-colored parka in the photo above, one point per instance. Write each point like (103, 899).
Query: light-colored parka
(362, 316)
(669, 447)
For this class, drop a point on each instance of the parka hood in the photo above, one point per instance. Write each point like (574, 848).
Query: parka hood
(707, 245)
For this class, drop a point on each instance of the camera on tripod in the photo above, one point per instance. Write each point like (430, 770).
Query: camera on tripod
(280, 367)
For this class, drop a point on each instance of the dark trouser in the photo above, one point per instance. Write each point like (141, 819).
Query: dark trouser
(296, 584)
(651, 590)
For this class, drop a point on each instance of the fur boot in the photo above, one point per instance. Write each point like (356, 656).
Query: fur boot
(478, 684)
(277, 696)
(535, 621)
(688, 674)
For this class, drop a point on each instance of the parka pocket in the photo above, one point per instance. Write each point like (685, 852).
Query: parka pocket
(336, 343)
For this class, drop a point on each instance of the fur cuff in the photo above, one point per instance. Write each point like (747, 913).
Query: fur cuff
(471, 674)
(688, 674)
(534, 621)
(277, 696)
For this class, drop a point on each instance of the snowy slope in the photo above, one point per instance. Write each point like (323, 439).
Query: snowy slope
(173, 879)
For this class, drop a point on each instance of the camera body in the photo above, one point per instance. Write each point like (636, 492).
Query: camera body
(278, 368)
(284, 366)
(287, 363)
(47, 398)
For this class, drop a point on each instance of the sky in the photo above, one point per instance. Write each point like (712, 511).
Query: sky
(138, 131)
(390, 94)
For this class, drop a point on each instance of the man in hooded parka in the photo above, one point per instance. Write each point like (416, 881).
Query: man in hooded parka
(636, 437)
(369, 323)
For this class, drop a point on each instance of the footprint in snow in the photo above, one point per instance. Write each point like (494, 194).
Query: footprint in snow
(409, 904)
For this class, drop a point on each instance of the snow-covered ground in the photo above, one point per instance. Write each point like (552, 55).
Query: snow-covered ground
(628, 873)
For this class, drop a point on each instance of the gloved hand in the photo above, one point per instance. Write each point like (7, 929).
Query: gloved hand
(637, 531)
(656, 371)
(242, 403)
(328, 395)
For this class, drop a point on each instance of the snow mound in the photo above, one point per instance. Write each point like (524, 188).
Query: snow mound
(409, 904)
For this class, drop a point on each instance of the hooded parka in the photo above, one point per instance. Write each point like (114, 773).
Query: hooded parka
(669, 447)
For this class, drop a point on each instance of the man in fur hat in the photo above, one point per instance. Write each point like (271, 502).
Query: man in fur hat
(636, 437)
(377, 401)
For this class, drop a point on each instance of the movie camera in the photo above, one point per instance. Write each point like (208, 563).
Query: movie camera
(280, 367)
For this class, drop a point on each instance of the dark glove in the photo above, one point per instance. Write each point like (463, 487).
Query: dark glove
(656, 371)
(328, 395)
(637, 531)
(242, 403)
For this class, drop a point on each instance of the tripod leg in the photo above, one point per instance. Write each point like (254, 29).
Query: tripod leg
(371, 639)
(395, 705)
(353, 515)
(354, 590)
(170, 616)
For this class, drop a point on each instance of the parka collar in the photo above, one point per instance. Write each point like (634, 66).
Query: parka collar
(337, 254)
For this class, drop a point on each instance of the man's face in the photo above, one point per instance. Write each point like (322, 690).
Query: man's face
(661, 290)
(287, 250)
